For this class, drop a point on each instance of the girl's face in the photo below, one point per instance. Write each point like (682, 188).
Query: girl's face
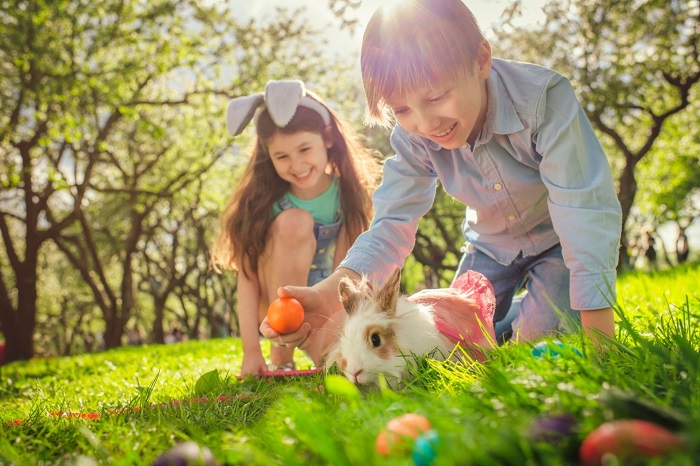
(301, 159)
(449, 113)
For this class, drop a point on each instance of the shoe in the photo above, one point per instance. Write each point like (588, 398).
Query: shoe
(287, 366)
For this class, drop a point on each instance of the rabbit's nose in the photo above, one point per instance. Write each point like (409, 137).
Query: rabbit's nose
(356, 375)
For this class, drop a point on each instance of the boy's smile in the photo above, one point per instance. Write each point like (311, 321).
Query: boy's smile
(449, 114)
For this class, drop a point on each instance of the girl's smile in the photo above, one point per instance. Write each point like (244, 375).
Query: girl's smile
(301, 158)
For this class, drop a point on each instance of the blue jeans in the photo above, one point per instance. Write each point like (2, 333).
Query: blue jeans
(543, 308)
(326, 240)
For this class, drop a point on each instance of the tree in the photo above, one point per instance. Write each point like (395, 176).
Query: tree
(672, 176)
(100, 89)
(176, 263)
(635, 65)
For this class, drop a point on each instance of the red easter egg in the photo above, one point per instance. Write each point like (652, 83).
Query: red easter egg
(628, 440)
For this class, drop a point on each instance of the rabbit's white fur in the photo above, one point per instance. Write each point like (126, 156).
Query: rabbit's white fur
(382, 330)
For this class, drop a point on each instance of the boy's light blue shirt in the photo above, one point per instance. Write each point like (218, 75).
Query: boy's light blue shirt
(537, 176)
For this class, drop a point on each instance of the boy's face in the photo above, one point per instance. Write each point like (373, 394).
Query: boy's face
(448, 113)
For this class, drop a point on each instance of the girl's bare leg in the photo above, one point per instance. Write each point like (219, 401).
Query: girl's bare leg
(288, 256)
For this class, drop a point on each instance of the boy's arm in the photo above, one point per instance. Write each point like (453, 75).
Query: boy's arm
(582, 201)
(405, 194)
(597, 322)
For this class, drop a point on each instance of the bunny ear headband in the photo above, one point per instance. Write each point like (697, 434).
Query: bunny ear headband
(281, 98)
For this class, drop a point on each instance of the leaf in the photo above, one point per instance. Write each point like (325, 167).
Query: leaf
(385, 389)
(207, 383)
(342, 387)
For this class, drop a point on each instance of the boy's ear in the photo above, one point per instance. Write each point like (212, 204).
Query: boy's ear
(328, 136)
(483, 59)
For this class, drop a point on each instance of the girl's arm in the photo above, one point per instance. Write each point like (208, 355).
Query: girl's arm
(248, 322)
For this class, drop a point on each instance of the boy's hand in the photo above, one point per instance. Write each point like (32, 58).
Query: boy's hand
(295, 339)
(319, 301)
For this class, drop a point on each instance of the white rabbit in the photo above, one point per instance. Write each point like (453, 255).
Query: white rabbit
(383, 328)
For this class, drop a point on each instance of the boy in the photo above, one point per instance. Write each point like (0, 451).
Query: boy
(509, 140)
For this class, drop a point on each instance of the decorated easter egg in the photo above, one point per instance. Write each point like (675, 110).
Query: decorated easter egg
(285, 315)
(553, 349)
(424, 448)
(400, 432)
(629, 440)
(186, 454)
(552, 429)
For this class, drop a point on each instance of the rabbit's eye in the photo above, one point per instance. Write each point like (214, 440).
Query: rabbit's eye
(375, 339)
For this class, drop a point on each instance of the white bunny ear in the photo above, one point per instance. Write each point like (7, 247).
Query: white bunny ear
(240, 111)
(282, 99)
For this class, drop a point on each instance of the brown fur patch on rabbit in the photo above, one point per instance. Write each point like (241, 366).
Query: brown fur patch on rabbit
(382, 328)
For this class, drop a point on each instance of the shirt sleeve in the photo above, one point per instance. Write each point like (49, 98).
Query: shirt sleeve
(405, 195)
(582, 202)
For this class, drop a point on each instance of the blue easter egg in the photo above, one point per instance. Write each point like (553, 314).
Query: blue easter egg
(424, 448)
(550, 349)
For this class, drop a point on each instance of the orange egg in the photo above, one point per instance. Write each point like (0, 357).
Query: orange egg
(397, 433)
(285, 315)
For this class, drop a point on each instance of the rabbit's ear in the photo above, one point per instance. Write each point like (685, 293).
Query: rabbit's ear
(389, 293)
(349, 294)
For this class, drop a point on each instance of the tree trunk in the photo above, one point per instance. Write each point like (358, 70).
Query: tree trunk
(157, 333)
(626, 195)
(19, 325)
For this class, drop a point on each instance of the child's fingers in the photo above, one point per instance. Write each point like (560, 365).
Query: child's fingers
(294, 339)
(267, 331)
(300, 293)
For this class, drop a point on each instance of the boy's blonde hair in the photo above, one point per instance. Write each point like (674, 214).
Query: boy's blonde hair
(409, 44)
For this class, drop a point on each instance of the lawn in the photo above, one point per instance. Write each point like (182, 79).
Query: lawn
(128, 406)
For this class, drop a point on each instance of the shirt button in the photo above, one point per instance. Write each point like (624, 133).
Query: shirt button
(511, 218)
(498, 186)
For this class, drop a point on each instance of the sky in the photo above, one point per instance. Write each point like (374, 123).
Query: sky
(317, 12)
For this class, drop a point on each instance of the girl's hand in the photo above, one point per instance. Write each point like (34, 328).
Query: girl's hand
(253, 364)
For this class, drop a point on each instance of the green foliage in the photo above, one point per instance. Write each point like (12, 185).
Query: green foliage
(208, 383)
(114, 126)
(671, 175)
(635, 68)
(483, 412)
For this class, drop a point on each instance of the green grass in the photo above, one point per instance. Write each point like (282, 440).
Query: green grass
(482, 412)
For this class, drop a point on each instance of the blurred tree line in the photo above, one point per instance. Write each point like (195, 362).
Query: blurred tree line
(116, 162)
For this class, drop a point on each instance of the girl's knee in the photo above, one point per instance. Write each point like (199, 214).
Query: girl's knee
(293, 226)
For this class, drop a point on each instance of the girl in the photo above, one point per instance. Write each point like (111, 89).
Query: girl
(303, 199)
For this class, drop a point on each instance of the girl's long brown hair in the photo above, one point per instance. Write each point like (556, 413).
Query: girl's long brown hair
(247, 217)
